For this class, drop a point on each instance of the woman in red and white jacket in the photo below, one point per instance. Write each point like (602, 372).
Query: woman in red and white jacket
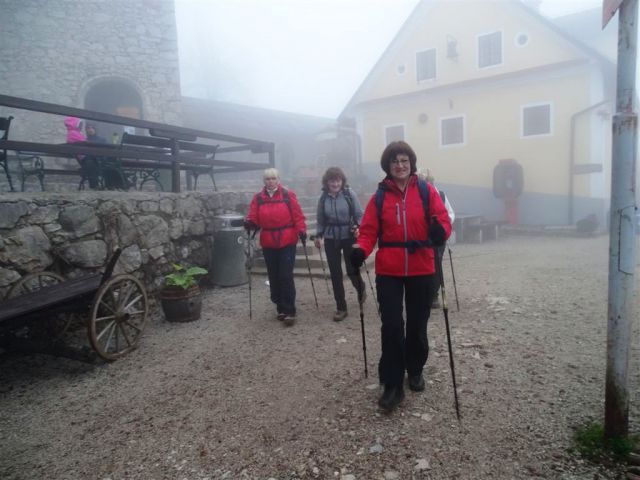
(276, 211)
(395, 219)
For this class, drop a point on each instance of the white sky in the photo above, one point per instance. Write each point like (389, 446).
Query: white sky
(304, 56)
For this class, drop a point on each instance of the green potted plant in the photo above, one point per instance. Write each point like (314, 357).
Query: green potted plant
(180, 297)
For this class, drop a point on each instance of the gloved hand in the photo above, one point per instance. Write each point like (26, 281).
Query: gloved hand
(357, 257)
(249, 225)
(303, 236)
(436, 233)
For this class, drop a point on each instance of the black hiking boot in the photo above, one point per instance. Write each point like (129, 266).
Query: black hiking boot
(391, 397)
(416, 383)
(339, 315)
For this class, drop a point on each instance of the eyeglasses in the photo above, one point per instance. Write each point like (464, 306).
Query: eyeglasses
(270, 178)
(402, 161)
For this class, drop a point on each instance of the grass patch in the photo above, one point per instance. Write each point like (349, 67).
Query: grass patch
(590, 442)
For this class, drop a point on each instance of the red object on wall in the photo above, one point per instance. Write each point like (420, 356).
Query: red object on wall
(511, 209)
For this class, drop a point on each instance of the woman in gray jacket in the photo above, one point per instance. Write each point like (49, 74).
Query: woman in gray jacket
(339, 214)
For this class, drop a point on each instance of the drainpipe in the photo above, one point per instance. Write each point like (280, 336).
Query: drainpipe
(358, 152)
(572, 154)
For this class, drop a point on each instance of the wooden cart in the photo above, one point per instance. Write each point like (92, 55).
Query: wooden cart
(114, 308)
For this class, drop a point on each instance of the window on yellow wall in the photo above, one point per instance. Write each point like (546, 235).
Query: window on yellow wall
(536, 120)
(452, 131)
(426, 65)
(393, 133)
(489, 49)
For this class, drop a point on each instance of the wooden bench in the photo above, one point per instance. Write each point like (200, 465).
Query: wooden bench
(196, 161)
(483, 231)
(134, 168)
(475, 229)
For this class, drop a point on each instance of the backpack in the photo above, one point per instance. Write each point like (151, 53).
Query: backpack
(411, 245)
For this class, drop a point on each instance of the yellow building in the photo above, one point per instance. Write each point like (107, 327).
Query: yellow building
(470, 83)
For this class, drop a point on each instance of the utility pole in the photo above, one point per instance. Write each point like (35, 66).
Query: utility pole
(622, 255)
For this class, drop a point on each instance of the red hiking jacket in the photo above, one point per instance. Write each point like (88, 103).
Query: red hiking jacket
(403, 219)
(280, 222)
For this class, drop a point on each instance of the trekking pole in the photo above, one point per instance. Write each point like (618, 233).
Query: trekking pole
(361, 288)
(453, 276)
(445, 311)
(313, 287)
(324, 272)
(373, 293)
(366, 270)
(248, 265)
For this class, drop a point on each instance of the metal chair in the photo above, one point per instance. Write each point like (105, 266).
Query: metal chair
(30, 164)
(5, 123)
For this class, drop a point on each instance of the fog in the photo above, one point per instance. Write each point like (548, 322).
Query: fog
(288, 72)
(303, 56)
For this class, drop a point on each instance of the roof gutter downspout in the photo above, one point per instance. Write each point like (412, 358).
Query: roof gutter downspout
(572, 160)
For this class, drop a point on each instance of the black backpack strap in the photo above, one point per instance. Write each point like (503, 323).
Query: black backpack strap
(286, 199)
(349, 199)
(423, 188)
(379, 201)
(321, 200)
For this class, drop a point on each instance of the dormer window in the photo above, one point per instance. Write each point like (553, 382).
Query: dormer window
(489, 50)
(426, 65)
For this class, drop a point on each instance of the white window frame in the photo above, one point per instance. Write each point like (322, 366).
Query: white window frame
(537, 104)
(392, 125)
(501, 49)
(464, 131)
(435, 65)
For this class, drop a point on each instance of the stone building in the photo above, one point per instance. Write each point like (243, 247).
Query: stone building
(118, 57)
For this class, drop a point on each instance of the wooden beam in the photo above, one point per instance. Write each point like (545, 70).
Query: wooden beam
(175, 131)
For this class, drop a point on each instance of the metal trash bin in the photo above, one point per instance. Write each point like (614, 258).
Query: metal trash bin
(229, 261)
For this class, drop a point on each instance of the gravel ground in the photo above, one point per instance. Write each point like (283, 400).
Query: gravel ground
(230, 397)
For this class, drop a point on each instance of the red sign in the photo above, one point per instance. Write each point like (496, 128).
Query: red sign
(609, 9)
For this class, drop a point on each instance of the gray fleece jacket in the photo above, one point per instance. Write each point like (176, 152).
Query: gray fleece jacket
(333, 217)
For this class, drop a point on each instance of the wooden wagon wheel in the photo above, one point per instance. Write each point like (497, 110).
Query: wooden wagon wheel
(118, 316)
(56, 325)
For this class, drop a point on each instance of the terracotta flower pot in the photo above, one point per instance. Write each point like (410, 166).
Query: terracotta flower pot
(181, 305)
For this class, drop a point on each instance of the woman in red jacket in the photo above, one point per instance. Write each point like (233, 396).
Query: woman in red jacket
(396, 219)
(276, 211)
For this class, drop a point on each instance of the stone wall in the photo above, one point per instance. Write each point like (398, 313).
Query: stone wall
(57, 51)
(74, 234)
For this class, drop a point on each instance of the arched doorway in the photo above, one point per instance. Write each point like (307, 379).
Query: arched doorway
(116, 97)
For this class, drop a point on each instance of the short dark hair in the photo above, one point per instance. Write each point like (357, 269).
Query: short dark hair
(391, 153)
(331, 173)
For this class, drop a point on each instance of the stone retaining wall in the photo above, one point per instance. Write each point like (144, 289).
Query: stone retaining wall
(74, 234)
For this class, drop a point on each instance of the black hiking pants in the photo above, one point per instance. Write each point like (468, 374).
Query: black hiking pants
(404, 351)
(280, 263)
(333, 248)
